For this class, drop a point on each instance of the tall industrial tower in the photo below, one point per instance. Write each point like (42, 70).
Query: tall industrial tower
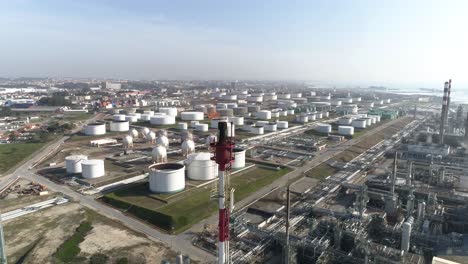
(3, 259)
(223, 156)
(445, 109)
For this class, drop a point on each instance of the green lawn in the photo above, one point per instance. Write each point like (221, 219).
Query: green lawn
(12, 154)
(321, 171)
(70, 248)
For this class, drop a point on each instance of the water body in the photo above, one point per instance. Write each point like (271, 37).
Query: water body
(457, 95)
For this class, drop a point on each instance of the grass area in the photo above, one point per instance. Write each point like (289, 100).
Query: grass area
(76, 116)
(320, 171)
(82, 137)
(70, 248)
(12, 154)
(194, 206)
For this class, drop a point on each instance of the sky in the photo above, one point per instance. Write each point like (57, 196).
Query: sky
(417, 43)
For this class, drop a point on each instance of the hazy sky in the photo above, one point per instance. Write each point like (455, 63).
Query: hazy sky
(406, 42)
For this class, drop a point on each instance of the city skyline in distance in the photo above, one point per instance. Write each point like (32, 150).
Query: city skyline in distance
(390, 43)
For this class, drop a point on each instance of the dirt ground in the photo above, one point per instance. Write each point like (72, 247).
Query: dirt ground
(36, 237)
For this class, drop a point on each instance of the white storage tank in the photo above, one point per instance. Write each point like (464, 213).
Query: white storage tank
(346, 130)
(239, 158)
(166, 177)
(312, 117)
(345, 121)
(95, 129)
(263, 114)
(296, 95)
(326, 114)
(270, 127)
(239, 111)
(335, 103)
(231, 105)
(282, 124)
(193, 124)
(220, 106)
(73, 163)
(131, 119)
(200, 108)
(163, 120)
(359, 123)
(200, 167)
(214, 122)
(148, 112)
(253, 108)
(92, 168)
(284, 96)
(119, 117)
(255, 99)
(275, 114)
(119, 126)
(324, 128)
(170, 111)
(182, 126)
(302, 119)
(145, 117)
(229, 97)
(270, 97)
(291, 112)
(257, 130)
(236, 120)
(226, 112)
(319, 115)
(201, 127)
(192, 116)
(368, 121)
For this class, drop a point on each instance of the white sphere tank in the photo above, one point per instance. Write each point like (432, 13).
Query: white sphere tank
(119, 117)
(119, 126)
(166, 177)
(161, 132)
(73, 163)
(200, 167)
(210, 140)
(133, 132)
(346, 130)
(144, 131)
(201, 127)
(231, 130)
(162, 141)
(163, 120)
(95, 129)
(189, 116)
(170, 111)
(188, 147)
(93, 168)
(151, 137)
(324, 128)
(236, 120)
(159, 154)
(282, 124)
(263, 114)
(182, 126)
(127, 141)
(239, 158)
(131, 119)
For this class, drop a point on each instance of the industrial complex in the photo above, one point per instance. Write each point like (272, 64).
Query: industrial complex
(253, 172)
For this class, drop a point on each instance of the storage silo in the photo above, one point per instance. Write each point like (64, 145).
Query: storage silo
(214, 122)
(302, 119)
(257, 130)
(131, 119)
(270, 127)
(119, 117)
(236, 120)
(201, 127)
(166, 177)
(282, 124)
(95, 129)
(345, 121)
(192, 116)
(73, 163)
(182, 126)
(200, 167)
(159, 154)
(239, 158)
(92, 168)
(170, 111)
(226, 112)
(145, 117)
(346, 130)
(254, 99)
(163, 120)
(240, 111)
(119, 126)
(359, 123)
(323, 128)
(406, 236)
(263, 114)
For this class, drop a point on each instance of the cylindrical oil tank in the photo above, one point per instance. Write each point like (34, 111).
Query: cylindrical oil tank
(170, 111)
(312, 117)
(319, 115)
(200, 167)
(373, 119)
(263, 114)
(95, 129)
(261, 123)
(255, 99)
(119, 126)
(191, 115)
(302, 119)
(131, 119)
(236, 120)
(247, 127)
(163, 120)
(324, 128)
(326, 114)
(257, 130)
(166, 177)
(220, 106)
(231, 105)
(283, 113)
(182, 126)
(345, 121)
(239, 158)
(92, 168)
(210, 109)
(231, 130)
(193, 124)
(357, 99)
(226, 112)
(335, 102)
(291, 112)
(346, 130)
(368, 121)
(229, 97)
(200, 108)
(359, 123)
(296, 95)
(239, 111)
(347, 100)
(300, 100)
(270, 97)
(270, 127)
(284, 96)
(148, 112)
(377, 118)
(145, 117)
(253, 108)
(73, 163)
(275, 114)
(119, 117)
(130, 111)
(201, 127)
(282, 124)
(214, 122)
(257, 94)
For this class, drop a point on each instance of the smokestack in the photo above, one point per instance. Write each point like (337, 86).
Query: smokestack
(443, 115)
(394, 173)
